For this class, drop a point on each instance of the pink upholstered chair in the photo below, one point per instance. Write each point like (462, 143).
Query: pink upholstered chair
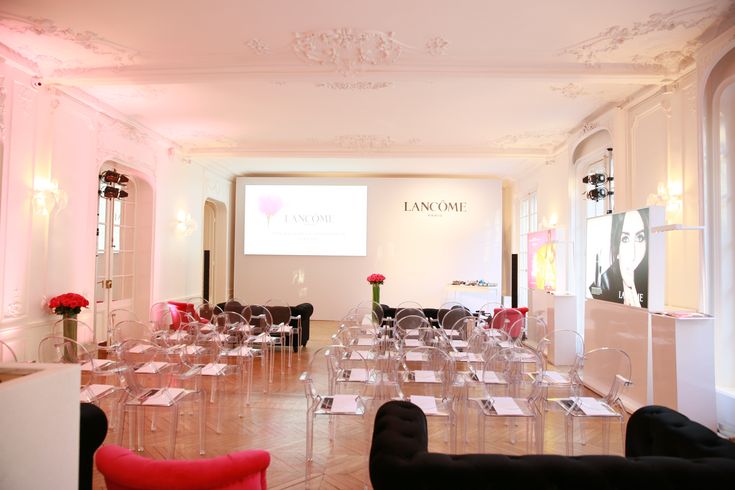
(124, 470)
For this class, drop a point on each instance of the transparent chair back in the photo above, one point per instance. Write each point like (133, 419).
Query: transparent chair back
(534, 329)
(7, 354)
(80, 332)
(507, 320)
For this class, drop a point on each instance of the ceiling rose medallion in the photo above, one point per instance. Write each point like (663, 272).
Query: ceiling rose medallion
(347, 50)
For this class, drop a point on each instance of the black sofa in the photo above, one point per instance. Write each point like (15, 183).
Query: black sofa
(303, 309)
(664, 450)
(92, 433)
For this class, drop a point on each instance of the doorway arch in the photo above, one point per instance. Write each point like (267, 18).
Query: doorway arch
(214, 248)
(124, 251)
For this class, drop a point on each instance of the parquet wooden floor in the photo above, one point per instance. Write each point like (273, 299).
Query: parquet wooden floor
(276, 422)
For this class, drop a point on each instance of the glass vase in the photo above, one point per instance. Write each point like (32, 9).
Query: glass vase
(70, 327)
(376, 293)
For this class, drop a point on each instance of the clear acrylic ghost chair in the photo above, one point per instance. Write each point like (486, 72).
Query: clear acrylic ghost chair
(207, 311)
(281, 330)
(562, 353)
(445, 308)
(85, 334)
(234, 304)
(427, 377)
(512, 396)
(233, 332)
(605, 370)
(407, 311)
(369, 312)
(507, 320)
(126, 330)
(7, 354)
(58, 349)
(260, 340)
(121, 314)
(156, 380)
(534, 329)
(446, 318)
(406, 330)
(332, 390)
(457, 333)
(160, 316)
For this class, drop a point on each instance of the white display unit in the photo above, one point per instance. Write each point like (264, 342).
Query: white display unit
(683, 354)
(559, 311)
(39, 423)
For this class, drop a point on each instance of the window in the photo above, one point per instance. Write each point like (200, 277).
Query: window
(528, 224)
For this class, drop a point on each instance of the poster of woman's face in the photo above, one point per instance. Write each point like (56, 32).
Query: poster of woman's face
(617, 258)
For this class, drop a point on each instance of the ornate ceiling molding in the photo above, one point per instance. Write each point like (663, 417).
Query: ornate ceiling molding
(363, 142)
(570, 90)
(354, 85)
(590, 50)
(87, 40)
(347, 50)
(258, 46)
(544, 140)
(436, 46)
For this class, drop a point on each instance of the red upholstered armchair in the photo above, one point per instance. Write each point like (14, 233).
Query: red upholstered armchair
(179, 309)
(124, 470)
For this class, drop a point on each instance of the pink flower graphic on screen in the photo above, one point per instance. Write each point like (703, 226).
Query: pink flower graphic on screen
(269, 205)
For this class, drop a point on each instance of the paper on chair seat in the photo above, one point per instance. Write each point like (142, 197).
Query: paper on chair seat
(239, 351)
(593, 407)
(344, 404)
(493, 332)
(421, 376)
(415, 356)
(505, 343)
(193, 349)
(137, 349)
(164, 397)
(151, 367)
(413, 342)
(213, 369)
(489, 377)
(505, 405)
(95, 364)
(366, 341)
(358, 355)
(358, 374)
(412, 332)
(426, 403)
(554, 377)
(452, 333)
(93, 392)
(458, 343)
(178, 335)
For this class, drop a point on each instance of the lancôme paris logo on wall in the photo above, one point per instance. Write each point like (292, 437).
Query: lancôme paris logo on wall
(269, 205)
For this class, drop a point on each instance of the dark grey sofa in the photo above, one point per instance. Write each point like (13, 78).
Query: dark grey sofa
(664, 450)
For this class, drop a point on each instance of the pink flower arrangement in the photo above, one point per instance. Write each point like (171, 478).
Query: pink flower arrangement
(376, 278)
(68, 304)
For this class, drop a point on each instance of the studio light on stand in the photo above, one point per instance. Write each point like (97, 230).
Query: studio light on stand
(115, 182)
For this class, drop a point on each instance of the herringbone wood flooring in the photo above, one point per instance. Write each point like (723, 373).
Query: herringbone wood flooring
(276, 422)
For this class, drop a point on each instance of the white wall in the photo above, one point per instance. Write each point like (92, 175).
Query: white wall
(46, 134)
(418, 253)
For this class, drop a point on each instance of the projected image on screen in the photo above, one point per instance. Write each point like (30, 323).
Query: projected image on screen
(305, 220)
(617, 258)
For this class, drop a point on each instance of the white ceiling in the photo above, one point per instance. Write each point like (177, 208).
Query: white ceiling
(492, 85)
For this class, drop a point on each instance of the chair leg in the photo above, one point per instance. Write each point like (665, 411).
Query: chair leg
(569, 434)
(172, 433)
(309, 436)
(202, 422)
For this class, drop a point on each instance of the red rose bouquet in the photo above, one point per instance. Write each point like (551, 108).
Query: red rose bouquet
(376, 278)
(68, 304)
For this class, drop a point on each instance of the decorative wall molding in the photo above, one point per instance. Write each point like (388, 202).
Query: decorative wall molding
(347, 50)
(14, 308)
(588, 126)
(590, 50)
(359, 85)
(3, 98)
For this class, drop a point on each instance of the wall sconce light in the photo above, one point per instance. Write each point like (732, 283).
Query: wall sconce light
(668, 196)
(185, 225)
(47, 197)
